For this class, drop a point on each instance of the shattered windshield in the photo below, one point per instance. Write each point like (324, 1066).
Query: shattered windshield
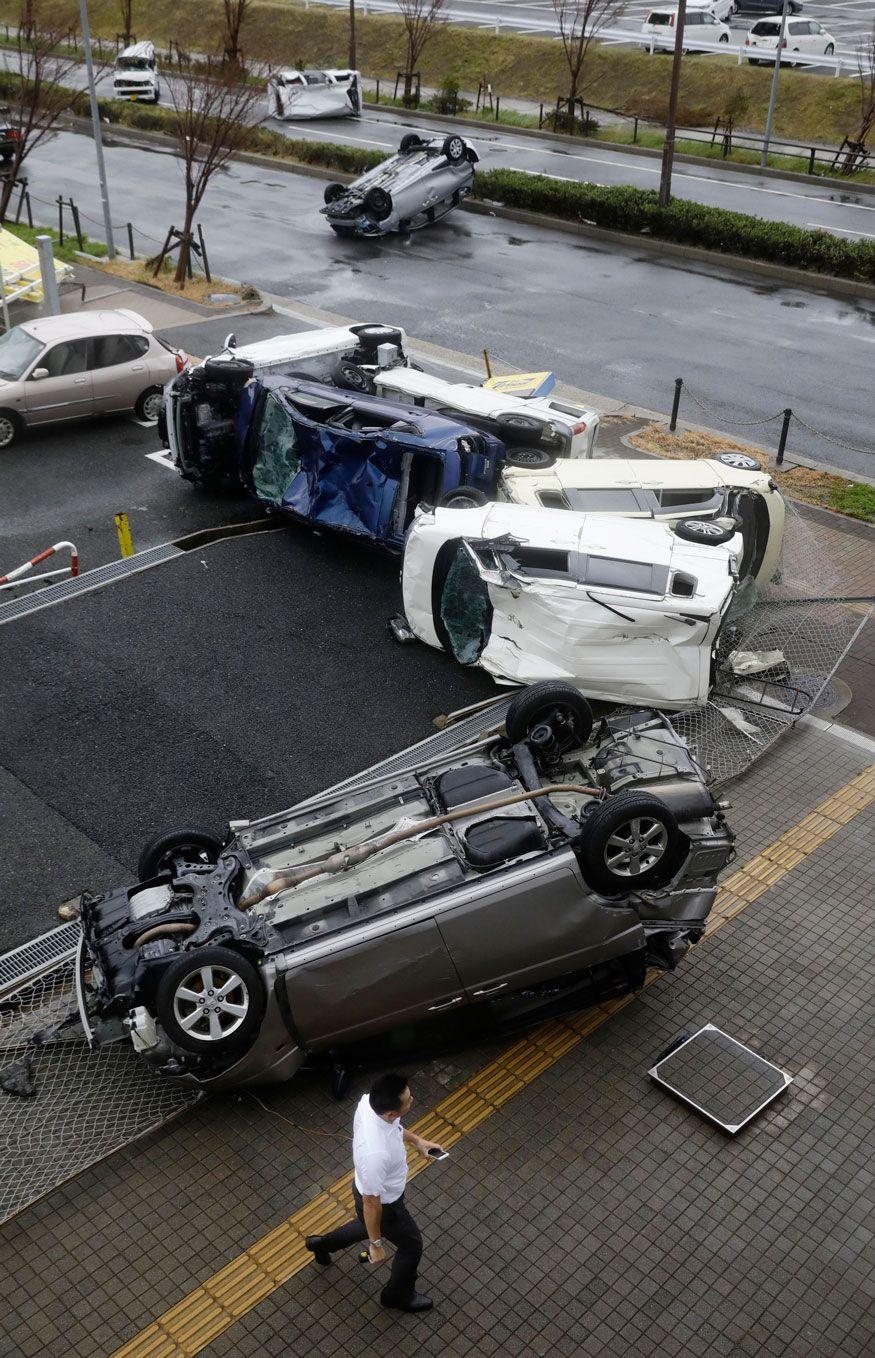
(465, 609)
(276, 457)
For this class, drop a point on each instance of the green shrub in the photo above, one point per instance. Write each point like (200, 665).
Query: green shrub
(856, 500)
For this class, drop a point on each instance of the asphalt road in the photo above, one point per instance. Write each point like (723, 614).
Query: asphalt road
(606, 318)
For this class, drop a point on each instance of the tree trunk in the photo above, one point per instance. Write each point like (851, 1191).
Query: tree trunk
(352, 52)
(184, 247)
(8, 186)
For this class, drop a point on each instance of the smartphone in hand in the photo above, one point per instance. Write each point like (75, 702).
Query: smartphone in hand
(437, 1154)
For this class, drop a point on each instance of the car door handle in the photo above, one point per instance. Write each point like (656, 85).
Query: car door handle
(79, 381)
(490, 990)
(138, 367)
(447, 1004)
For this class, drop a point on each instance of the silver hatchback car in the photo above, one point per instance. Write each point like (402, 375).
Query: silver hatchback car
(88, 363)
(427, 178)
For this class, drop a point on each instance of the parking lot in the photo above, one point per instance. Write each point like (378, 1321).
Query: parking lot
(582, 1210)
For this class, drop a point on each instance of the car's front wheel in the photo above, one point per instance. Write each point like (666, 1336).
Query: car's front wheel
(630, 842)
(351, 377)
(532, 459)
(705, 531)
(189, 844)
(454, 149)
(211, 1001)
(462, 497)
(558, 705)
(10, 428)
(149, 404)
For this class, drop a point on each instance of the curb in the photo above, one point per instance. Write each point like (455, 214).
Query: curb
(734, 166)
(828, 283)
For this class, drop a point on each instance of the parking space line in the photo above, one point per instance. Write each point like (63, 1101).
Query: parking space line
(209, 1310)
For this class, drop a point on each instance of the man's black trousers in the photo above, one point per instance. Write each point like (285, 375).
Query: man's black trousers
(398, 1226)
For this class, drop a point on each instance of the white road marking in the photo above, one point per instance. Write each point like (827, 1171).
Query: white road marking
(162, 459)
(819, 226)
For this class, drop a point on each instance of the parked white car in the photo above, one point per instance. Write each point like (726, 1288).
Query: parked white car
(802, 35)
(136, 74)
(298, 95)
(701, 23)
(543, 427)
(627, 611)
(729, 488)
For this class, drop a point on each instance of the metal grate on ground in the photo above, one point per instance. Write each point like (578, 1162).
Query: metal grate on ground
(88, 581)
(38, 955)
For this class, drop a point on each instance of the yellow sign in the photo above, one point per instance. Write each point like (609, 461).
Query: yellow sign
(123, 528)
(20, 263)
(523, 384)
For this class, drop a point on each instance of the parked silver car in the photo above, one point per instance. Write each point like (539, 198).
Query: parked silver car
(537, 867)
(427, 178)
(87, 363)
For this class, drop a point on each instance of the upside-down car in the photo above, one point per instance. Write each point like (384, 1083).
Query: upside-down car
(425, 180)
(537, 866)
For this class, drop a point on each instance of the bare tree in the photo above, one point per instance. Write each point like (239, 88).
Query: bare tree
(40, 89)
(235, 13)
(212, 118)
(420, 19)
(26, 19)
(126, 8)
(580, 21)
(866, 71)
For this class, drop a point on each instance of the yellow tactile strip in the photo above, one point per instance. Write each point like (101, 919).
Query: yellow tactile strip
(196, 1321)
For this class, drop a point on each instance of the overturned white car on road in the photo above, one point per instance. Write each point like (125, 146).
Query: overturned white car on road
(425, 180)
(628, 611)
(295, 96)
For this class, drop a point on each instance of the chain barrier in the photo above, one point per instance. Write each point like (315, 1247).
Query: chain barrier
(740, 424)
(828, 438)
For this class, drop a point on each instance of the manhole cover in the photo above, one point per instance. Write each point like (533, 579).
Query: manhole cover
(719, 1077)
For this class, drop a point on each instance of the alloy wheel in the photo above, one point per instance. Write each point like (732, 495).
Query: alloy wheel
(211, 1003)
(636, 846)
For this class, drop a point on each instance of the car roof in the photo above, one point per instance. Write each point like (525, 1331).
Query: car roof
(475, 400)
(143, 51)
(645, 474)
(80, 324)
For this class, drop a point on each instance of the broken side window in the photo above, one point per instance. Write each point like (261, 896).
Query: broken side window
(276, 459)
(465, 610)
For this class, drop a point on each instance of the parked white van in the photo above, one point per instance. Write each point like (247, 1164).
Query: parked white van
(136, 74)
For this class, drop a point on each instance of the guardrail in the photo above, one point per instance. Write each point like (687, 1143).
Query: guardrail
(15, 577)
(839, 64)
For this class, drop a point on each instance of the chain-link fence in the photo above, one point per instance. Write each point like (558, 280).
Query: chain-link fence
(87, 1103)
(801, 624)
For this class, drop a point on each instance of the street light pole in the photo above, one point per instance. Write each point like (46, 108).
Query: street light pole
(95, 123)
(767, 135)
(353, 64)
(668, 147)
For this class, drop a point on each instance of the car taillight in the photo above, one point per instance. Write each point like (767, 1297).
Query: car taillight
(671, 21)
(181, 360)
(14, 134)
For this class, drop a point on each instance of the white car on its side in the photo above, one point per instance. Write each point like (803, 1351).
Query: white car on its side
(298, 95)
(729, 489)
(539, 429)
(801, 35)
(626, 610)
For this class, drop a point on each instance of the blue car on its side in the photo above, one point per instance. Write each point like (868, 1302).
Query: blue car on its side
(331, 457)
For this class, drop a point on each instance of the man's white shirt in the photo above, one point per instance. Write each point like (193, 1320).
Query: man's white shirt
(378, 1154)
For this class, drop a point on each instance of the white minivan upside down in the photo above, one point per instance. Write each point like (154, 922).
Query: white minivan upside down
(626, 610)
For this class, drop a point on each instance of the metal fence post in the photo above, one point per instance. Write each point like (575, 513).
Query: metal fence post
(131, 239)
(48, 275)
(811, 161)
(782, 442)
(678, 385)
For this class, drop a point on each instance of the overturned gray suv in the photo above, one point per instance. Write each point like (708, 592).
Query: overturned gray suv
(538, 865)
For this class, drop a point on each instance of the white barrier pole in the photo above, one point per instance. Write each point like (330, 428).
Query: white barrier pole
(3, 298)
(47, 273)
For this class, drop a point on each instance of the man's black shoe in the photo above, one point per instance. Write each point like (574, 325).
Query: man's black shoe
(320, 1252)
(415, 1303)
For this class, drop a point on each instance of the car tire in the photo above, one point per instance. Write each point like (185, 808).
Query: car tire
(463, 497)
(621, 832)
(149, 403)
(177, 1002)
(378, 203)
(704, 531)
(724, 37)
(333, 192)
(11, 428)
(829, 50)
(411, 141)
(189, 844)
(540, 703)
(742, 462)
(350, 377)
(531, 459)
(229, 372)
(454, 149)
(519, 428)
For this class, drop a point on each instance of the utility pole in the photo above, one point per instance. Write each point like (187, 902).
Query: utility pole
(767, 135)
(95, 123)
(353, 64)
(668, 148)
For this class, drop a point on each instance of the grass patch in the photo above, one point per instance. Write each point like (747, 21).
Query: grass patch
(68, 252)
(195, 289)
(633, 82)
(852, 498)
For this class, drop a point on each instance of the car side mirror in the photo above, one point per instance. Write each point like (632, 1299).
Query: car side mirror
(38, 374)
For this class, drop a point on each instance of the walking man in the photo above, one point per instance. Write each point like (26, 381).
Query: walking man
(378, 1142)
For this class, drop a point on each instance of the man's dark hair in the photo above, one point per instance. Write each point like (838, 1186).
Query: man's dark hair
(385, 1096)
